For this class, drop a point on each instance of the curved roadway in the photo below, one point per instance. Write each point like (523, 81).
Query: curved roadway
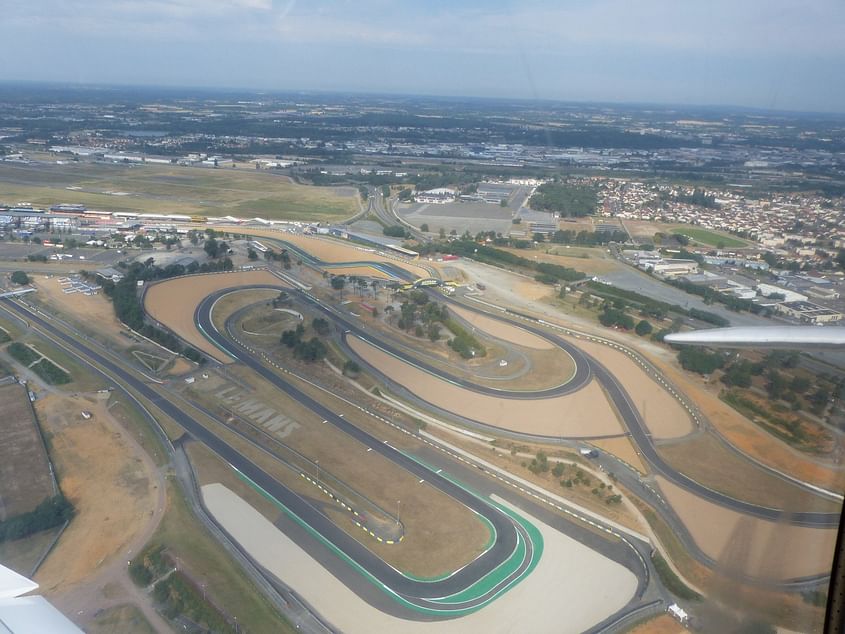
(510, 536)
(586, 367)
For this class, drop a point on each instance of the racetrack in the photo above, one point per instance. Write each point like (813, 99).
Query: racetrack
(584, 413)
(464, 591)
(588, 366)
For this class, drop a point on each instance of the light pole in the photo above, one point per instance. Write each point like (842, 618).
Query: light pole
(397, 511)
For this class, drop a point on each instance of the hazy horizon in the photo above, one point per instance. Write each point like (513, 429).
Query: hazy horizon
(777, 55)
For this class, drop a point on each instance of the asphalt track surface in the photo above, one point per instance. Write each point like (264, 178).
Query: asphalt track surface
(418, 593)
(506, 528)
(586, 368)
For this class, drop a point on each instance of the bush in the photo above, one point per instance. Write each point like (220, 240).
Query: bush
(545, 278)
(311, 350)
(21, 353)
(179, 597)
(643, 328)
(50, 372)
(320, 326)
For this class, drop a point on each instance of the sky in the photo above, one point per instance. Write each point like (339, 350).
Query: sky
(775, 54)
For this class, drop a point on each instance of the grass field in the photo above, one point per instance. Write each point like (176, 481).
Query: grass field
(710, 238)
(182, 190)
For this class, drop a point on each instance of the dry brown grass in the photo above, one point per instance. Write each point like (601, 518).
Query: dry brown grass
(663, 624)
(94, 313)
(440, 533)
(747, 436)
(709, 462)
(106, 481)
(513, 463)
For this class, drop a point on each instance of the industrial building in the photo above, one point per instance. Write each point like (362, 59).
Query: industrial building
(808, 312)
(439, 196)
(768, 290)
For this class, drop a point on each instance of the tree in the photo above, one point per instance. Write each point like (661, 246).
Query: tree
(777, 385)
(251, 254)
(442, 234)
(424, 227)
(320, 326)
(799, 384)
(503, 202)
(338, 282)
(211, 247)
(643, 328)
(395, 231)
(700, 361)
(351, 368)
(20, 278)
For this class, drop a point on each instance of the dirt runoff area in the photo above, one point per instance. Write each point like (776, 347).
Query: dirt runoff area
(172, 302)
(664, 416)
(600, 587)
(582, 414)
(329, 250)
(93, 311)
(756, 547)
(109, 481)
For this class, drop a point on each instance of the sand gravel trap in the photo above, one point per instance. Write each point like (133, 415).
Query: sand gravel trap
(172, 302)
(329, 250)
(571, 589)
(584, 413)
(506, 332)
(664, 416)
(759, 547)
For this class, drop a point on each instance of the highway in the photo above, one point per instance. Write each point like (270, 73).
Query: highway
(511, 537)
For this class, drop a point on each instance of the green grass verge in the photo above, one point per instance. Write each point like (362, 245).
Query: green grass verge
(21, 353)
(671, 580)
(226, 583)
(710, 238)
(51, 373)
